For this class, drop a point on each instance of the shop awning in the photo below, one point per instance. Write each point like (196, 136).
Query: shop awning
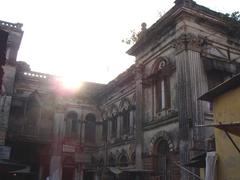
(233, 127)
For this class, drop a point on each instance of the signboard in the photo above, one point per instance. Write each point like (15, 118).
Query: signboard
(68, 148)
(5, 152)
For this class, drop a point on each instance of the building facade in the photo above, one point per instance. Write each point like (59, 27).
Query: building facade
(10, 37)
(142, 124)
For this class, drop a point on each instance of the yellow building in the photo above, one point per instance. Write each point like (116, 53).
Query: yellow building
(225, 99)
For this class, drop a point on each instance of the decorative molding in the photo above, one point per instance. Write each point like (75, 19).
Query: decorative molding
(171, 117)
(189, 41)
(113, 111)
(161, 67)
(161, 135)
(124, 104)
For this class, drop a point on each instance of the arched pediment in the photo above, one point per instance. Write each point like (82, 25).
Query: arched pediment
(162, 66)
(158, 137)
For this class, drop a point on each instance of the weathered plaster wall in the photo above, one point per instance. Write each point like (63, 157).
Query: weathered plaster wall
(226, 109)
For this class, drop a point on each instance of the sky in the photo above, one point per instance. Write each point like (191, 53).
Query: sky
(81, 39)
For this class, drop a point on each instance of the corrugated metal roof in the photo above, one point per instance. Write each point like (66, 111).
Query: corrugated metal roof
(221, 88)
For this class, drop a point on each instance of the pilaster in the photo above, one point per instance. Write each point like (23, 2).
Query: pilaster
(191, 84)
(139, 115)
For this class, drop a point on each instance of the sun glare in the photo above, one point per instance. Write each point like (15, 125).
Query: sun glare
(71, 83)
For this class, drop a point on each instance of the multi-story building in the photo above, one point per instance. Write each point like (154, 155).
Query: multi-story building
(10, 39)
(141, 124)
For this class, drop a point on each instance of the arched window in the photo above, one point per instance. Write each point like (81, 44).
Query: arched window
(126, 121)
(90, 128)
(71, 124)
(125, 112)
(111, 160)
(114, 126)
(162, 93)
(123, 160)
(113, 117)
(162, 160)
(162, 71)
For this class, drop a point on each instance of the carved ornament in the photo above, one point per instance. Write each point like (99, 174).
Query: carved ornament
(161, 135)
(189, 41)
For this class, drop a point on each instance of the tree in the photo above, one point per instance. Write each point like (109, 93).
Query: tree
(235, 16)
(135, 36)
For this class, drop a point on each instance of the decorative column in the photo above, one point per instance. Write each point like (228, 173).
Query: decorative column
(191, 84)
(139, 115)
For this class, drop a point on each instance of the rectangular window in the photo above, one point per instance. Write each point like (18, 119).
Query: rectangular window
(162, 94)
(163, 98)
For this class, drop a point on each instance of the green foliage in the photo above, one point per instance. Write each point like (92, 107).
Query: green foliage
(235, 16)
(233, 20)
(132, 39)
